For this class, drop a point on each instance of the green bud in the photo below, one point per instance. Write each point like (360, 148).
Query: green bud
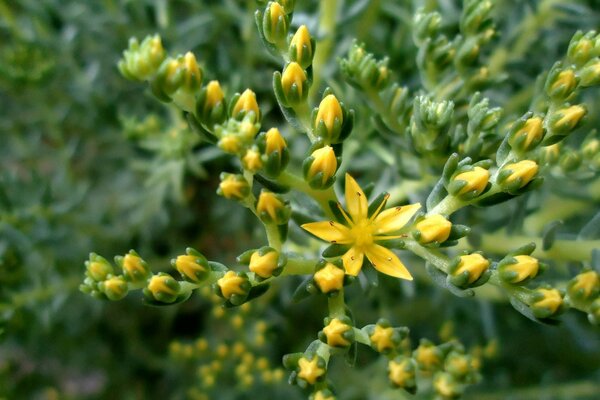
(234, 287)
(564, 121)
(426, 25)
(294, 84)
(275, 24)
(590, 73)
(570, 160)
(233, 186)
(302, 47)
(97, 268)
(271, 208)
(546, 302)
(429, 124)
(141, 62)
(526, 133)
(179, 80)
(475, 16)
(192, 266)
(582, 47)
(320, 168)
(115, 288)
(134, 268)
(561, 83)
(162, 288)
(402, 373)
(211, 107)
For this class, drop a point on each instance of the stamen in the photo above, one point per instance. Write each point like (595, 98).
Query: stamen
(381, 205)
(346, 217)
(390, 237)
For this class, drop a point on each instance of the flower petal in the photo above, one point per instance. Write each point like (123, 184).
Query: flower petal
(386, 262)
(353, 261)
(330, 231)
(356, 201)
(394, 219)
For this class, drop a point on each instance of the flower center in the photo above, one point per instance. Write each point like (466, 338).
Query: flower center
(362, 234)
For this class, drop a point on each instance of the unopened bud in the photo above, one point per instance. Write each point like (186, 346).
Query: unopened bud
(320, 168)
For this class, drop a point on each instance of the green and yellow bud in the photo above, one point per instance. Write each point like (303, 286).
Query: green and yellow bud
(590, 148)
(447, 386)
(179, 80)
(470, 268)
(581, 47)
(141, 62)
(320, 168)
(434, 228)
(564, 121)
(252, 160)
(134, 268)
(428, 356)
(274, 142)
(470, 183)
(115, 288)
(275, 150)
(264, 262)
(311, 370)
(275, 24)
(234, 287)
(546, 303)
(329, 119)
(231, 143)
(518, 269)
(549, 154)
(192, 266)
(97, 268)
(245, 104)
(162, 288)
(288, 5)
(570, 160)
(271, 208)
(233, 187)
(301, 47)
(590, 73)
(322, 395)
(561, 85)
(402, 373)
(210, 105)
(458, 364)
(517, 175)
(585, 286)
(294, 84)
(383, 338)
(527, 135)
(337, 333)
(330, 278)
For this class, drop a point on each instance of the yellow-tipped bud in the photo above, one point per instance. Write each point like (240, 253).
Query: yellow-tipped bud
(334, 333)
(98, 268)
(428, 356)
(563, 84)
(590, 148)
(115, 288)
(476, 181)
(272, 209)
(434, 228)
(526, 267)
(310, 370)
(214, 95)
(547, 302)
(590, 73)
(472, 266)
(275, 23)
(294, 83)
(528, 135)
(134, 267)
(233, 187)
(329, 119)
(521, 173)
(232, 283)
(192, 267)
(320, 167)
(301, 49)
(566, 119)
(274, 141)
(401, 373)
(230, 144)
(163, 288)
(585, 286)
(550, 154)
(264, 265)
(382, 338)
(245, 104)
(447, 386)
(252, 161)
(329, 278)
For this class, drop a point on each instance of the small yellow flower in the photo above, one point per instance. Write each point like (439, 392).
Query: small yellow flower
(334, 331)
(330, 112)
(381, 338)
(526, 170)
(271, 208)
(214, 95)
(310, 370)
(274, 141)
(548, 303)
(325, 162)
(434, 228)
(474, 265)
(231, 284)
(163, 287)
(526, 267)
(329, 278)
(301, 49)
(293, 75)
(264, 265)
(233, 186)
(476, 180)
(363, 232)
(428, 356)
(188, 266)
(247, 103)
(402, 372)
(252, 161)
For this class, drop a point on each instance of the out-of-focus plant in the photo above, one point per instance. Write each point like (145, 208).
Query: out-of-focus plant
(389, 157)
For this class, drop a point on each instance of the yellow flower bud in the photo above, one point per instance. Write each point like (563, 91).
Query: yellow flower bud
(294, 83)
(329, 278)
(274, 141)
(134, 268)
(474, 265)
(246, 103)
(190, 267)
(585, 285)
(233, 186)
(590, 148)
(434, 228)
(428, 356)
(309, 370)
(324, 162)
(525, 268)
(301, 49)
(163, 287)
(457, 364)
(264, 265)
(476, 180)
(401, 372)
(446, 386)
(230, 144)
(322, 395)
(252, 161)
(275, 23)
(550, 154)
(524, 170)
(548, 302)
(271, 208)
(330, 115)
(334, 332)
(98, 268)
(214, 95)
(567, 119)
(528, 135)
(382, 338)
(590, 73)
(115, 288)
(231, 283)
(563, 84)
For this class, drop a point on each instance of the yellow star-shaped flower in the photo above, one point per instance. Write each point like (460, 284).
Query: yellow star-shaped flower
(310, 370)
(382, 338)
(334, 332)
(400, 372)
(362, 232)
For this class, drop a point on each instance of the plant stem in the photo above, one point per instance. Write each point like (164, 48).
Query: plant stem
(299, 266)
(336, 305)
(322, 197)
(327, 20)
(439, 260)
